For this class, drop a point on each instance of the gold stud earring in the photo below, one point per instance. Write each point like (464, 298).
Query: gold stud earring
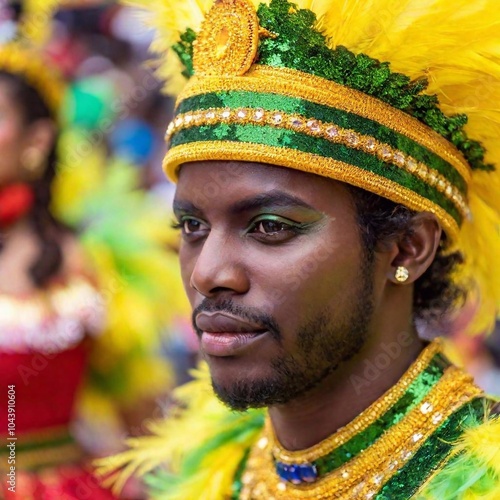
(401, 274)
(33, 162)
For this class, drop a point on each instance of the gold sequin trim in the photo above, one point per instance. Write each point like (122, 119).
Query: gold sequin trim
(293, 83)
(306, 162)
(366, 474)
(329, 131)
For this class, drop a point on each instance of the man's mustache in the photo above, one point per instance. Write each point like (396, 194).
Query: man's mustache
(251, 315)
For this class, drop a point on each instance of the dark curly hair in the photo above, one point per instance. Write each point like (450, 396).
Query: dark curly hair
(381, 220)
(45, 226)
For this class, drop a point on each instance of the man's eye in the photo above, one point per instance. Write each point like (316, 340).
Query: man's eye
(271, 226)
(189, 225)
(273, 229)
(193, 226)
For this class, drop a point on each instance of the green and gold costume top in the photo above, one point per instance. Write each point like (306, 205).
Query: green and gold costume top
(431, 436)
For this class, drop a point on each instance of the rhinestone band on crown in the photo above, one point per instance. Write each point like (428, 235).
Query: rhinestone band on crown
(328, 131)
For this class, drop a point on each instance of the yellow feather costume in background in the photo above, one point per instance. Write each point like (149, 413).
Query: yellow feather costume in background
(23, 55)
(131, 247)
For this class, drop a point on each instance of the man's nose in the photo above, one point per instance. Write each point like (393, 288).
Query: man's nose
(219, 267)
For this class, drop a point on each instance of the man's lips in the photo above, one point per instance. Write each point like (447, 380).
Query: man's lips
(226, 335)
(219, 322)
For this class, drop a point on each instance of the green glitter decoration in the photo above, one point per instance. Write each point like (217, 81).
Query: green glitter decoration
(184, 51)
(415, 393)
(298, 45)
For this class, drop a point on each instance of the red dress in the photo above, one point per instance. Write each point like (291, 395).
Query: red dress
(43, 355)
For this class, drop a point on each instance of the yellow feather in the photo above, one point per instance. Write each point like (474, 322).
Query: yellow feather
(483, 442)
(35, 25)
(200, 417)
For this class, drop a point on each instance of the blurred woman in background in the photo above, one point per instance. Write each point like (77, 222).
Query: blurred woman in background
(81, 314)
(48, 308)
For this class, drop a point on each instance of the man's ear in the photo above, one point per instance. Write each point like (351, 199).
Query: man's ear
(415, 249)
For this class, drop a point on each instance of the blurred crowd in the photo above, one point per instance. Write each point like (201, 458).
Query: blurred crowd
(114, 95)
(117, 100)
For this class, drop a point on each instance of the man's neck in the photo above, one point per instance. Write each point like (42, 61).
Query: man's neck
(352, 388)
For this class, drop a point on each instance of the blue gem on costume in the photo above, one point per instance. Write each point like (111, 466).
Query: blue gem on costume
(295, 473)
(282, 470)
(308, 473)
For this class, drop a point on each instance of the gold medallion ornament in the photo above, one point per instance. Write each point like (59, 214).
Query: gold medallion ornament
(228, 40)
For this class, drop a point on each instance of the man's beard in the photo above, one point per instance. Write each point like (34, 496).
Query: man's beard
(321, 348)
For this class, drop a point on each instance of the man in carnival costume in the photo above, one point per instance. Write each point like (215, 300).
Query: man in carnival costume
(336, 188)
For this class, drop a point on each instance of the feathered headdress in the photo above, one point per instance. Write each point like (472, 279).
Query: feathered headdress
(24, 29)
(401, 99)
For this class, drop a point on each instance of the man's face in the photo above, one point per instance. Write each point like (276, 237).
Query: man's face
(274, 269)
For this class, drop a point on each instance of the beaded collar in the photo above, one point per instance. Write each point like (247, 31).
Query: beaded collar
(388, 451)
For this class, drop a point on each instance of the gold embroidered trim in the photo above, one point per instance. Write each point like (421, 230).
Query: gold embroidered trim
(306, 162)
(329, 131)
(368, 472)
(293, 83)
